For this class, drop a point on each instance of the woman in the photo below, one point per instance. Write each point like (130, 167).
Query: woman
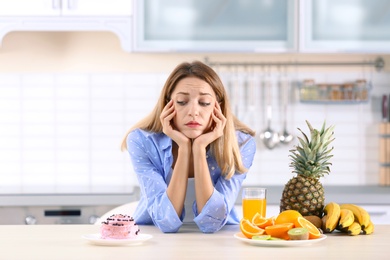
(190, 143)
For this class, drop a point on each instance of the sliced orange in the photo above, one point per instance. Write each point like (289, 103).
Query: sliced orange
(261, 221)
(279, 230)
(287, 216)
(249, 230)
(258, 220)
(270, 221)
(313, 230)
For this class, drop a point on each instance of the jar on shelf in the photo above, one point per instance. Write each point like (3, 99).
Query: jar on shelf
(308, 90)
(361, 89)
(348, 93)
(323, 92)
(336, 92)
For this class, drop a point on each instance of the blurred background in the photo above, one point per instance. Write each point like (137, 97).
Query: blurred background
(76, 74)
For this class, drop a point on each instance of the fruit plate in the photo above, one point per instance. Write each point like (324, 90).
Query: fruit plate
(278, 243)
(97, 240)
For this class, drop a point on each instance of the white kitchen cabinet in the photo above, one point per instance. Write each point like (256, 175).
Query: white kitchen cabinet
(65, 7)
(29, 8)
(68, 15)
(97, 7)
(344, 26)
(219, 25)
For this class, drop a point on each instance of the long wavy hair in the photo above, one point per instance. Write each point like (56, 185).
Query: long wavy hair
(225, 149)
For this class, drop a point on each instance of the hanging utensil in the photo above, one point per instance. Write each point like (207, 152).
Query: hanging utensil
(384, 109)
(249, 97)
(284, 88)
(231, 89)
(269, 137)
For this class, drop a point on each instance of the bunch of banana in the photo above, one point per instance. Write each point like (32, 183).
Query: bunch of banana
(349, 218)
(332, 211)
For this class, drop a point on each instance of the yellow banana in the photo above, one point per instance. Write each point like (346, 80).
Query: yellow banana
(369, 229)
(354, 229)
(346, 218)
(361, 215)
(332, 210)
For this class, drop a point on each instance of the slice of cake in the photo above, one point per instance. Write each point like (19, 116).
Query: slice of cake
(119, 226)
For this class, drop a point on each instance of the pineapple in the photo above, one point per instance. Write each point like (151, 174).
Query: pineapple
(310, 161)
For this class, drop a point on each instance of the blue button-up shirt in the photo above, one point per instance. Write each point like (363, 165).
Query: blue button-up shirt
(151, 156)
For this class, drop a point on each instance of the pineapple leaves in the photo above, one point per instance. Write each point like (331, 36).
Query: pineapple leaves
(310, 158)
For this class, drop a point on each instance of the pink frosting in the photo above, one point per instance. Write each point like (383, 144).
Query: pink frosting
(119, 227)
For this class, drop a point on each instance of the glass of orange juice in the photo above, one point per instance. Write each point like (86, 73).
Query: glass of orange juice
(254, 200)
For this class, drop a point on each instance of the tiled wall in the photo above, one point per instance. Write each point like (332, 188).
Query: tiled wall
(62, 132)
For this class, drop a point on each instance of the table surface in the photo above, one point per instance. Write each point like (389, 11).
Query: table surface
(66, 242)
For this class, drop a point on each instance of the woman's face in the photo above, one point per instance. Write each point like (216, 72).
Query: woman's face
(194, 101)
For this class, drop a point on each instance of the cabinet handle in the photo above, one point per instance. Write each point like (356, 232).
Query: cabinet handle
(56, 4)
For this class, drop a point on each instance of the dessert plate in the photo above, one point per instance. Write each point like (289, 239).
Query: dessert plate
(279, 243)
(97, 240)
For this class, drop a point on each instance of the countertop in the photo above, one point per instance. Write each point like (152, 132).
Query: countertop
(66, 242)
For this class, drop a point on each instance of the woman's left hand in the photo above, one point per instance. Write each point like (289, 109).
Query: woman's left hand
(216, 131)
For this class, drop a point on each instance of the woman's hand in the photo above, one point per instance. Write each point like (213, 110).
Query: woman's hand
(166, 118)
(216, 131)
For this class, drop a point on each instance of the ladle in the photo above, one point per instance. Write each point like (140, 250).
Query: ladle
(285, 137)
(269, 137)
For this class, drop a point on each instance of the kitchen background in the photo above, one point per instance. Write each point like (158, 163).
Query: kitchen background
(67, 97)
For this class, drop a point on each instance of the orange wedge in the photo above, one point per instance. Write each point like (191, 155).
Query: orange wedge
(313, 230)
(249, 230)
(279, 230)
(261, 221)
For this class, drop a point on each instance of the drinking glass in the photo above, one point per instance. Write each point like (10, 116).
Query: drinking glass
(254, 201)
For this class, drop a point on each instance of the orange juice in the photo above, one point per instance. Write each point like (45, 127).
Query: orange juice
(251, 206)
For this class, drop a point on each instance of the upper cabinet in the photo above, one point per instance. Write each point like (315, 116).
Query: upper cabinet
(213, 26)
(29, 8)
(344, 26)
(65, 8)
(68, 15)
(218, 25)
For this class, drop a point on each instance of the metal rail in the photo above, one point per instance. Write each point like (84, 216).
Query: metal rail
(378, 63)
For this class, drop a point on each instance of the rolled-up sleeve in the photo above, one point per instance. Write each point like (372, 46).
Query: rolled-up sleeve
(217, 209)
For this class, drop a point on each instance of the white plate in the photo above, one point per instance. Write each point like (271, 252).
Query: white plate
(97, 240)
(280, 243)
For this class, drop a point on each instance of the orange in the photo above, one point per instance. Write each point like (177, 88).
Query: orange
(249, 230)
(313, 230)
(261, 221)
(279, 230)
(287, 216)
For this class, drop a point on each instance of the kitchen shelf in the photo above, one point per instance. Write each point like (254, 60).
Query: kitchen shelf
(347, 93)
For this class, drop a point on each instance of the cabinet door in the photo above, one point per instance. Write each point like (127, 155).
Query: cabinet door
(345, 26)
(30, 7)
(218, 25)
(97, 7)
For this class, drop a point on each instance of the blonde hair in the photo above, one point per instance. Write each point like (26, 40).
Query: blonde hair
(229, 162)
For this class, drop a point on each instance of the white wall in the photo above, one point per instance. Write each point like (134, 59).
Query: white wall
(66, 99)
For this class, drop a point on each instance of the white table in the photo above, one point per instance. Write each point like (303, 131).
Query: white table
(66, 242)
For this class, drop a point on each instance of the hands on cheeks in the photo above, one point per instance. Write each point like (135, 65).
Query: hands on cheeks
(217, 122)
(217, 126)
(166, 118)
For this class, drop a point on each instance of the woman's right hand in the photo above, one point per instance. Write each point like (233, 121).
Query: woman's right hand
(166, 118)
